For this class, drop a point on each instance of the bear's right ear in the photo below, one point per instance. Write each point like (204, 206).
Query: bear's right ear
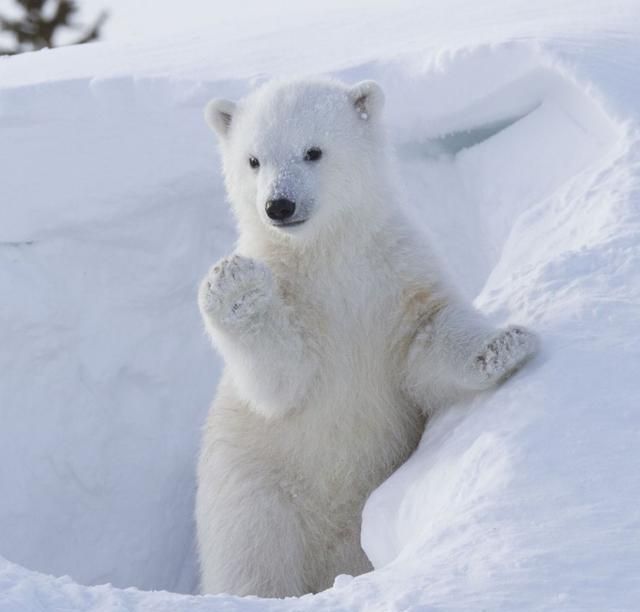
(219, 114)
(367, 98)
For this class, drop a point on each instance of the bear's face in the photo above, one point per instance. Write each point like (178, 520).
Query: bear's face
(297, 154)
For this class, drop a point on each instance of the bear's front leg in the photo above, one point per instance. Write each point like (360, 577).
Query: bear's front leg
(457, 352)
(255, 330)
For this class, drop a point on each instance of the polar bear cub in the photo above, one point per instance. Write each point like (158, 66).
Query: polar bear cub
(339, 333)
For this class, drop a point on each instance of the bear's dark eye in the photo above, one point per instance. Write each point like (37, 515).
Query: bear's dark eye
(254, 162)
(313, 154)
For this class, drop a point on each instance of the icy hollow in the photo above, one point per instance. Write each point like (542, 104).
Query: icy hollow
(522, 168)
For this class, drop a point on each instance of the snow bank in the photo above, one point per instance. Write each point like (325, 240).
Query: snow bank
(520, 161)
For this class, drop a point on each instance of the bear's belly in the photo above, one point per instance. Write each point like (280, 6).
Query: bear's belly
(334, 454)
(343, 438)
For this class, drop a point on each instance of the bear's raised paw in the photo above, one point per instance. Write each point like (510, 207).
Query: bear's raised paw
(236, 292)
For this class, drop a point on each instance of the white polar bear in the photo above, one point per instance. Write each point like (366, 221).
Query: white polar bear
(339, 333)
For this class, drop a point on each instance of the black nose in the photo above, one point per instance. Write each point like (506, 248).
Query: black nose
(280, 209)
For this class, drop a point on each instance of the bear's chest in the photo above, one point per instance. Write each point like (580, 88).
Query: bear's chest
(347, 316)
(357, 323)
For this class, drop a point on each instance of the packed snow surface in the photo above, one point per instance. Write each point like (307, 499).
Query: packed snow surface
(516, 131)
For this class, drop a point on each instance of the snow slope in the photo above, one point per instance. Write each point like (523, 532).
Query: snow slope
(516, 128)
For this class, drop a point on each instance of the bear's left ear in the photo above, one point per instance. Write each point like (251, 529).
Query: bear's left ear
(219, 115)
(368, 99)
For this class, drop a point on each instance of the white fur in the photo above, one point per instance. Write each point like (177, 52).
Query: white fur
(339, 336)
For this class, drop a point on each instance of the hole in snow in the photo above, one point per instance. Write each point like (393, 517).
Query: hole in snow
(453, 143)
(103, 490)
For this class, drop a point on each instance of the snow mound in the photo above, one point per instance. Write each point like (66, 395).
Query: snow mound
(525, 179)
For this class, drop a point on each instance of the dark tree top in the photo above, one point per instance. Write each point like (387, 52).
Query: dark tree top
(41, 20)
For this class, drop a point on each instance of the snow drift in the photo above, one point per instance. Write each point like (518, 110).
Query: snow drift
(520, 161)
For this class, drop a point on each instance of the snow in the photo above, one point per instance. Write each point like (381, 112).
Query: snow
(516, 128)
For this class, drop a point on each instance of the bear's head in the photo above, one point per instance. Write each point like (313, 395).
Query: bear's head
(301, 157)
